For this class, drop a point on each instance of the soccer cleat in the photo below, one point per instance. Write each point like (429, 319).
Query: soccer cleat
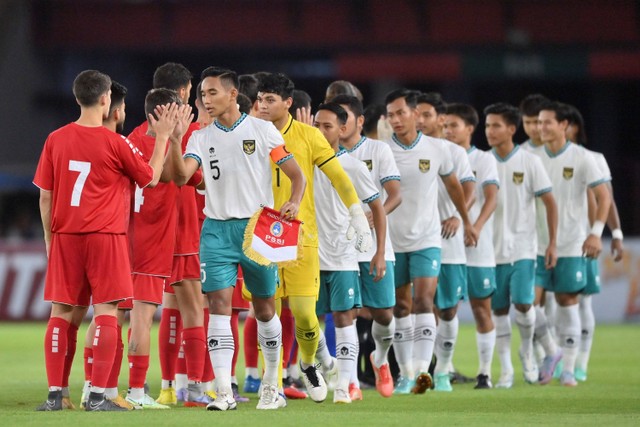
(270, 398)
(167, 396)
(456, 377)
(529, 367)
(53, 402)
(580, 374)
(104, 405)
(251, 384)
(122, 402)
(505, 380)
(483, 382)
(195, 397)
(146, 402)
(314, 383)
(443, 382)
(384, 382)
(567, 379)
(67, 403)
(354, 392)
(423, 383)
(548, 367)
(85, 394)
(236, 394)
(341, 396)
(403, 386)
(181, 394)
(291, 390)
(224, 402)
(331, 374)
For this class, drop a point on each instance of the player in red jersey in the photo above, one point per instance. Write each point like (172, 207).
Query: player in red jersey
(83, 175)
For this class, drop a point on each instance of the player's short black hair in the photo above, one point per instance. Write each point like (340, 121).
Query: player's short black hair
(337, 109)
(410, 97)
(575, 118)
(371, 116)
(562, 110)
(277, 83)
(228, 78)
(434, 99)
(301, 99)
(509, 113)
(244, 103)
(341, 87)
(89, 86)
(466, 112)
(118, 92)
(248, 86)
(157, 97)
(171, 76)
(354, 104)
(530, 105)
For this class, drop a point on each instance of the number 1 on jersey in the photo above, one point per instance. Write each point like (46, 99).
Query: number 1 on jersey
(84, 168)
(138, 199)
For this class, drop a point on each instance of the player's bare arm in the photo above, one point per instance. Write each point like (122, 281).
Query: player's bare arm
(457, 197)
(291, 207)
(550, 254)
(490, 202)
(378, 264)
(593, 244)
(613, 221)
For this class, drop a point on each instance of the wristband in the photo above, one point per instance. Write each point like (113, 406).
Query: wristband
(617, 234)
(597, 228)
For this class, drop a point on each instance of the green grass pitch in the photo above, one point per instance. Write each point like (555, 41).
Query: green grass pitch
(610, 397)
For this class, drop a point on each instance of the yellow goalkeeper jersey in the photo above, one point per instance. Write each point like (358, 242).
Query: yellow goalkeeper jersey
(310, 149)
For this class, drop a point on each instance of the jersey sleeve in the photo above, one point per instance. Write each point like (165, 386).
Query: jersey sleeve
(462, 166)
(362, 181)
(192, 150)
(540, 182)
(488, 171)
(133, 163)
(388, 170)
(593, 174)
(320, 148)
(446, 166)
(276, 145)
(43, 178)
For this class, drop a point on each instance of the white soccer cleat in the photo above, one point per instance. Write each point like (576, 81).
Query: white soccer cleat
(529, 367)
(341, 396)
(314, 382)
(505, 381)
(270, 398)
(224, 402)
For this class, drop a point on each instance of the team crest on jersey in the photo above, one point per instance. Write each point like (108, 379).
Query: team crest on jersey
(567, 173)
(276, 229)
(424, 165)
(518, 178)
(369, 164)
(249, 146)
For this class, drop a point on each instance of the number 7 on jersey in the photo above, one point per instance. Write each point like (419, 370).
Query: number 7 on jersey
(84, 168)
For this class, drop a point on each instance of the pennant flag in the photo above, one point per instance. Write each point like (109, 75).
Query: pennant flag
(270, 239)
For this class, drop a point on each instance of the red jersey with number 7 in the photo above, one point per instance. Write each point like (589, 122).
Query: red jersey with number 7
(89, 170)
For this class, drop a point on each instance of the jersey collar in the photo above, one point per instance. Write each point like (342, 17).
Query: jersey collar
(286, 127)
(511, 154)
(233, 126)
(413, 144)
(562, 150)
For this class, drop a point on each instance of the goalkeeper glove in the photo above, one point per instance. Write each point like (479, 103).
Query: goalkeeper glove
(359, 228)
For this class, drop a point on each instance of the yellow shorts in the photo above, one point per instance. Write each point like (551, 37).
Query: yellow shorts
(302, 280)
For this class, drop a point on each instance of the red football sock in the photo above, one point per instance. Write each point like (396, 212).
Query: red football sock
(288, 335)
(207, 373)
(105, 344)
(236, 341)
(193, 342)
(114, 375)
(138, 367)
(88, 363)
(169, 342)
(55, 350)
(181, 361)
(72, 341)
(251, 342)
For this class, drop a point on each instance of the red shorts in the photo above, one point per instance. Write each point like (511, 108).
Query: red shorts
(237, 302)
(147, 289)
(84, 266)
(185, 267)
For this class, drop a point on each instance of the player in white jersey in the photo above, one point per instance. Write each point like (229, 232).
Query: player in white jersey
(452, 280)
(522, 179)
(529, 109)
(416, 239)
(377, 296)
(572, 171)
(234, 153)
(340, 291)
(576, 133)
(460, 122)
(431, 114)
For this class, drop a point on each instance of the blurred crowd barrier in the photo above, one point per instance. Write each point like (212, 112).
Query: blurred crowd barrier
(23, 268)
